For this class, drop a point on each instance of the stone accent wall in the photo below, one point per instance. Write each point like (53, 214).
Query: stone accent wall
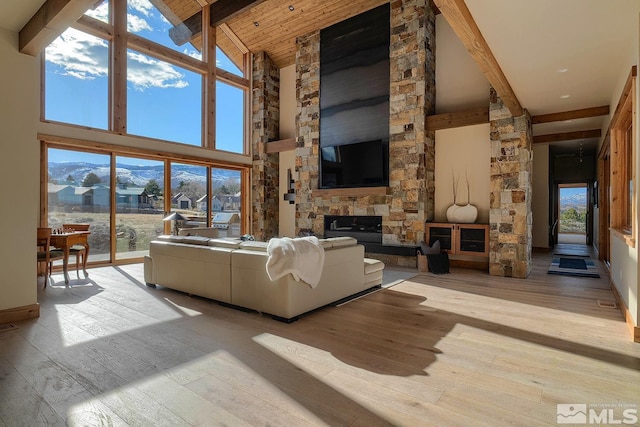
(409, 201)
(308, 131)
(265, 127)
(510, 214)
(412, 98)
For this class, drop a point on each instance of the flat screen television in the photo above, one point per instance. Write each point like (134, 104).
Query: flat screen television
(354, 101)
(363, 164)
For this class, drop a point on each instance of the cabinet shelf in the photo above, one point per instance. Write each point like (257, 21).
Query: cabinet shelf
(459, 239)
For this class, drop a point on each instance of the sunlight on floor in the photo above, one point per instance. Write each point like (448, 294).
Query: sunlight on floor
(205, 391)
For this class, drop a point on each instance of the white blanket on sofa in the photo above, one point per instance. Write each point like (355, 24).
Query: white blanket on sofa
(303, 257)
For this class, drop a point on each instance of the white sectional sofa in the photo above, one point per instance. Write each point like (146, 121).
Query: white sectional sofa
(234, 272)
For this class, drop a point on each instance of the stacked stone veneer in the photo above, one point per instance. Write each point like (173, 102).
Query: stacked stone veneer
(409, 199)
(265, 128)
(510, 214)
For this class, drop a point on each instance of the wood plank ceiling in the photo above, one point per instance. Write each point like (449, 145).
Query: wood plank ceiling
(278, 26)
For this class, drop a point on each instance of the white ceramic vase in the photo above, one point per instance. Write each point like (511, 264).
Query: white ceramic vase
(463, 214)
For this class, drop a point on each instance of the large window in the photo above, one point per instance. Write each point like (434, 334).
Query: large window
(81, 185)
(78, 193)
(163, 101)
(76, 80)
(139, 205)
(144, 73)
(229, 118)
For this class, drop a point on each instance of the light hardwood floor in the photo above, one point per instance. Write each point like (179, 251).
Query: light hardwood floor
(459, 349)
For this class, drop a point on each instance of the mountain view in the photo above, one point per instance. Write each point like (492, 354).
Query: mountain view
(139, 175)
(573, 210)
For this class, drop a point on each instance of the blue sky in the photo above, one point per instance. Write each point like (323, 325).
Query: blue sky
(568, 192)
(164, 101)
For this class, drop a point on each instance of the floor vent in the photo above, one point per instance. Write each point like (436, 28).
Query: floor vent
(607, 304)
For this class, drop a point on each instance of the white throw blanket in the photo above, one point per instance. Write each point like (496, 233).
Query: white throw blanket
(302, 257)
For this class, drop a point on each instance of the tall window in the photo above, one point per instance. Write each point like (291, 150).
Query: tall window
(623, 191)
(78, 193)
(76, 80)
(162, 96)
(139, 205)
(163, 101)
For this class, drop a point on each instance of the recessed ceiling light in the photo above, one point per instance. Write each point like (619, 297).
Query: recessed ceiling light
(564, 96)
(291, 8)
(256, 23)
(562, 70)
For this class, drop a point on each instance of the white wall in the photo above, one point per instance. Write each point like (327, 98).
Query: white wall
(287, 219)
(540, 199)
(19, 173)
(459, 150)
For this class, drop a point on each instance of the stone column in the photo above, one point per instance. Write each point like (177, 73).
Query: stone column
(412, 98)
(265, 127)
(308, 131)
(510, 214)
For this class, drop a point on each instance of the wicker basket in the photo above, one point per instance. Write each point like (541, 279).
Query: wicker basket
(423, 266)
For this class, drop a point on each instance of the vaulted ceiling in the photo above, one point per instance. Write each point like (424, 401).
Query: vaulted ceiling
(555, 56)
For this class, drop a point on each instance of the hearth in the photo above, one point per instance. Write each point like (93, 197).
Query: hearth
(367, 229)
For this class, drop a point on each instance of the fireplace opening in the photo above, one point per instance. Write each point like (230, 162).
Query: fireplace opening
(366, 229)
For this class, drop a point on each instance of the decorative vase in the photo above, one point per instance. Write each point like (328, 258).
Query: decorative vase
(464, 214)
(450, 212)
(461, 213)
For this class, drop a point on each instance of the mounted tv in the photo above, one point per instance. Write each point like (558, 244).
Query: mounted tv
(354, 101)
(363, 164)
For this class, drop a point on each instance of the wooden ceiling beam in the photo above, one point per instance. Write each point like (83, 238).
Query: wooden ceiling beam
(567, 136)
(51, 20)
(455, 120)
(459, 18)
(571, 115)
(221, 11)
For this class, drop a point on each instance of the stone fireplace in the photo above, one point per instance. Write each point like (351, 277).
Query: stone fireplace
(367, 229)
(407, 202)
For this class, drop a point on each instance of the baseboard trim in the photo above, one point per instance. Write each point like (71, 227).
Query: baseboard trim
(633, 329)
(19, 313)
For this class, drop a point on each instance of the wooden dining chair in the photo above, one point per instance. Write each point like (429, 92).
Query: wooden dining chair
(79, 251)
(46, 254)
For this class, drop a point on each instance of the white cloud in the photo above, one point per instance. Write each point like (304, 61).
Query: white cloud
(142, 6)
(136, 21)
(135, 24)
(145, 72)
(193, 53)
(85, 57)
(79, 54)
(101, 12)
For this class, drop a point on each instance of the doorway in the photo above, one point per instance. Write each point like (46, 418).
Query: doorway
(574, 214)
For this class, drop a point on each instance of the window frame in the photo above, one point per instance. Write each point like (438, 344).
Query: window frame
(623, 164)
(63, 143)
(120, 40)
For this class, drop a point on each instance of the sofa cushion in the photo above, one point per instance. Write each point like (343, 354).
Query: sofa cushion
(326, 243)
(195, 240)
(340, 242)
(251, 245)
(372, 265)
(209, 232)
(170, 238)
(225, 243)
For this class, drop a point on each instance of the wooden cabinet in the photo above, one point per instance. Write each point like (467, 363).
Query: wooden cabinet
(459, 239)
